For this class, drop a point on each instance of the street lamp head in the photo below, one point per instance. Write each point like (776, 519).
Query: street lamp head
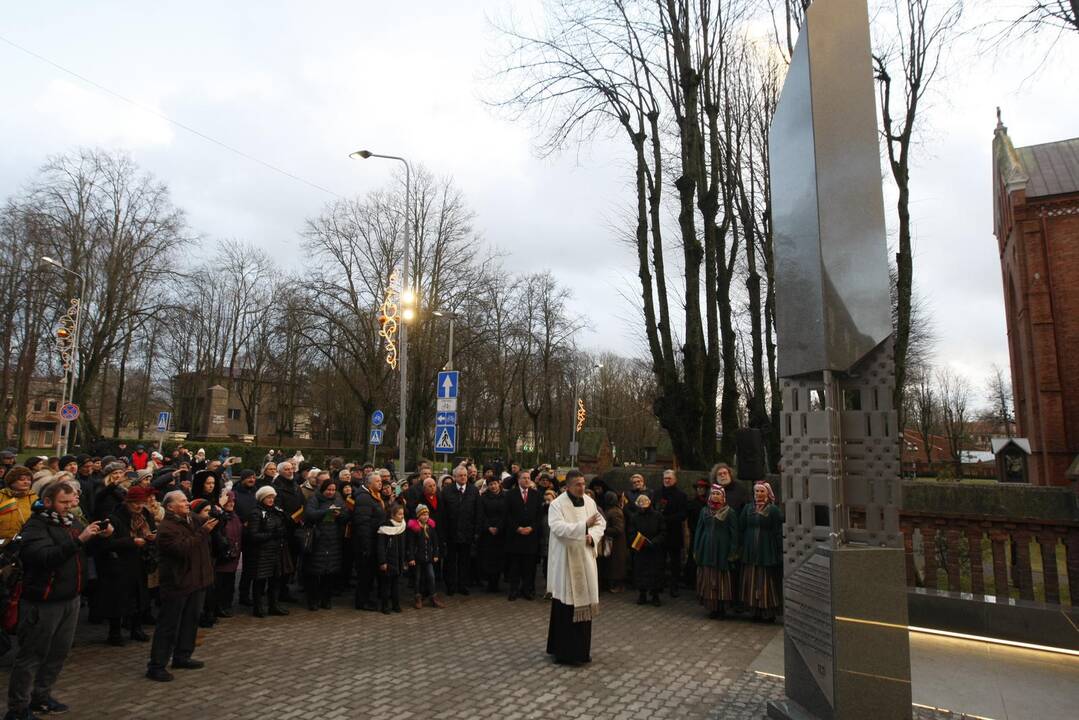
(597, 366)
(50, 261)
(408, 296)
(362, 154)
(408, 314)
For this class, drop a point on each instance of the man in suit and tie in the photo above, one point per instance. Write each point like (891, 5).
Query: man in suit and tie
(459, 504)
(523, 507)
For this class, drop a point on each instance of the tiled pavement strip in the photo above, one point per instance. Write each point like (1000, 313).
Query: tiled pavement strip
(481, 657)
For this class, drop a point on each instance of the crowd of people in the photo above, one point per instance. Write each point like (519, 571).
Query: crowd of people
(185, 541)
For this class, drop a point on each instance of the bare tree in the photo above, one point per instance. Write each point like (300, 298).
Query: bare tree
(924, 410)
(98, 214)
(905, 67)
(658, 74)
(953, 392)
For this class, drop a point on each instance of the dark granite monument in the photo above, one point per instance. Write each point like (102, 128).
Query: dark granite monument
(847, 653)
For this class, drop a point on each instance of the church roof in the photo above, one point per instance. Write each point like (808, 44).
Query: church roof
(1053, 168)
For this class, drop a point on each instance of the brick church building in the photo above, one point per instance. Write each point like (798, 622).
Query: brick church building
(1036, 221)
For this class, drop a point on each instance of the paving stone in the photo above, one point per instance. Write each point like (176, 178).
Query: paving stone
(481, 657)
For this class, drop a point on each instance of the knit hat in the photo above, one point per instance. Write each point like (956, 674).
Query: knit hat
(67, 459)
(198, 504)
(114, 467)
(422, 509)
(145, 472)
(263, 491)
(140, 494)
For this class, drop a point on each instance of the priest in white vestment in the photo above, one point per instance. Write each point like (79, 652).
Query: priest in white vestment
(572, 578)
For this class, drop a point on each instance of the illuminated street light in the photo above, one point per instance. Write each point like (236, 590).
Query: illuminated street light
(407, 297)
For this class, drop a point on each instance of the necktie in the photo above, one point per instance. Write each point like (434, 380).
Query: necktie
(524, 495)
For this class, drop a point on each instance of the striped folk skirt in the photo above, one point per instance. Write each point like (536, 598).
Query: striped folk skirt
(759, 587)
(714, 587)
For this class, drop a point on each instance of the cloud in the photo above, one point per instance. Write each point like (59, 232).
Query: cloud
(83, 115)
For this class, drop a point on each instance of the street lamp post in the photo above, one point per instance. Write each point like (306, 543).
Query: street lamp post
(69, 372)
(452, 317)
(576, 400)
(407, 298)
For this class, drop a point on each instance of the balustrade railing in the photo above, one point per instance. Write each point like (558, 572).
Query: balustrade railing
(1001, 542)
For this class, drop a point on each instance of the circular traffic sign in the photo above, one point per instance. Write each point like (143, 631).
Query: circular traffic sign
(69, 412)
(377, 418)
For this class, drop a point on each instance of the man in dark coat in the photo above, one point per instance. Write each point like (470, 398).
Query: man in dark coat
(368, 515)
(88, 482)
(523, 507)
(458, 503)
(53, 561)
(291, 502)
(186, 571)
(673, 504)
(245, 508)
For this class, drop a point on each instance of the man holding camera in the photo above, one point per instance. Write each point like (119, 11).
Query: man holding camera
(186, 570)
(53, 556)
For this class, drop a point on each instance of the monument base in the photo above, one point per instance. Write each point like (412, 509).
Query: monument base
(846, 644)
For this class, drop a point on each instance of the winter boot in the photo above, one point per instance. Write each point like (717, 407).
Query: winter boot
(419, 602)
(436, 601)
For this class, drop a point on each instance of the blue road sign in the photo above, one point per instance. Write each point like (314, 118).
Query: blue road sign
(445, 438)
(376, 436)
(447, 384)
(377, 418)
(163, 421)
(446, 418)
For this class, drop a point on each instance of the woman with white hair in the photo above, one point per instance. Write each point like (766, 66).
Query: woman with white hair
(265, 538)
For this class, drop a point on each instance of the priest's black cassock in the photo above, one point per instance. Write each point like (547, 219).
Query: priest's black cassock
(572, 578)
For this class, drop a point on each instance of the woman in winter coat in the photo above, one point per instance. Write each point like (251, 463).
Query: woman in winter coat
(491, 525)
(228, 544)
(715, 545)
(322, 560)
(121, 594)
(647, 544)
(762, 556)
(613, 567)
(391, 559)
(422, 551)
(264, 535)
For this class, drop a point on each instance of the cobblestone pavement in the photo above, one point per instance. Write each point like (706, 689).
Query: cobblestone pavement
(481, 657)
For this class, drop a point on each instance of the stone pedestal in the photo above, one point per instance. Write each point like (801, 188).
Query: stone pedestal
(846, 644)
(216, 420)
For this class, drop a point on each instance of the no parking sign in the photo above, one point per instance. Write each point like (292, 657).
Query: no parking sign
(69, 412)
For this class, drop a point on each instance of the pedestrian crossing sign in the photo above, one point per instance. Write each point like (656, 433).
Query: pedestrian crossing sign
(445, 438)
(376, 436)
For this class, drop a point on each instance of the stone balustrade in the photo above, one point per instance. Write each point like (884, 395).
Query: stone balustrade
(984, 538)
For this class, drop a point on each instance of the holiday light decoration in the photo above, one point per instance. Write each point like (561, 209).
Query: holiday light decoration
(387, 320)
(581, 414)
(65, 334)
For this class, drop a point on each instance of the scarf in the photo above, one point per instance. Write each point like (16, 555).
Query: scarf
(394, 528)
(54, 518)
(718, 508)
(768, 501)
(577, 554)
(376, 496)
(139, 526)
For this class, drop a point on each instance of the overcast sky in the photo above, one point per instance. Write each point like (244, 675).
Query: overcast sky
(300, 85)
